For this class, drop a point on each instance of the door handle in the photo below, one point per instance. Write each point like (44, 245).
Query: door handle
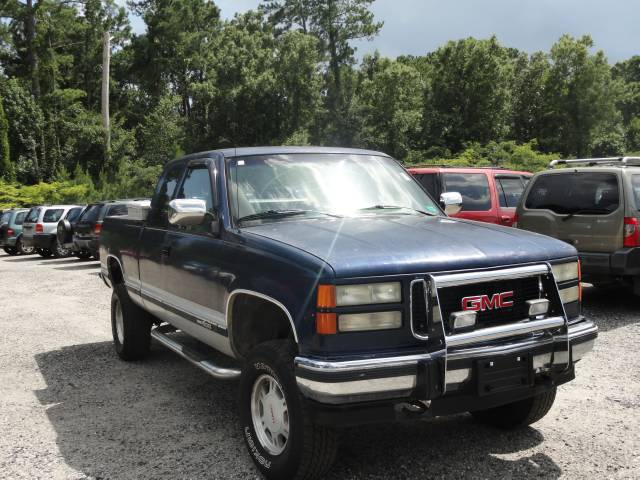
(165, 251)
(505, 219)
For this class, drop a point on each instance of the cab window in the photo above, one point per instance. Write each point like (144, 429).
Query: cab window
(197, 185)
(20, 218)
(474, 188)
(52, 215)
(430, 183)
(509, 191)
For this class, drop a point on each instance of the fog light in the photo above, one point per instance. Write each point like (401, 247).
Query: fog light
(458, 376)
(542, 362)
(538, 307)
(580, 350)
(460, 320)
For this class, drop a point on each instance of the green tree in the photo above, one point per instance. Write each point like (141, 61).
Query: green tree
(467, 97)
(161, 135)
(6, 167)
(580, 97)
(391, 93)
(529, 107)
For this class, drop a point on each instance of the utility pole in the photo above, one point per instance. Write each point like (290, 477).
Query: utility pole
(106, 57)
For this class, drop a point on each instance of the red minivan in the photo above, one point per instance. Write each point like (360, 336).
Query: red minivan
(488, 194)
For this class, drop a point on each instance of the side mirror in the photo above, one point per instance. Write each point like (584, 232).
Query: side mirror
(187, 212)
(451, 202)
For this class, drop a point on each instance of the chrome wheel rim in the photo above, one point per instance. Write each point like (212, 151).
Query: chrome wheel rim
(270, 414)
(119, 324)
(63, 252)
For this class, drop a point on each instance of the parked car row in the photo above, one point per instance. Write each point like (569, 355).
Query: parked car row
(57, 230)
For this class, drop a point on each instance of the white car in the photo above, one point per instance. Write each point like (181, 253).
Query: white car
(40, 228)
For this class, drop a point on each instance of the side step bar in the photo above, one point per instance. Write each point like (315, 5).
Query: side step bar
(186, 353)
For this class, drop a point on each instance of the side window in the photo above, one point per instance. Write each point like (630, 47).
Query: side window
(52, 215)
(20, 218)
(117, 210)
(509, 191)
(430, 182)
(474, 188)
(167, 186)
(32, 216)
(197, 184)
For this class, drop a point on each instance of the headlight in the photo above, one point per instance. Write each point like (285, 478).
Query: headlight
(356, 322)
(368, 294)
(565, 271)
(568, 295)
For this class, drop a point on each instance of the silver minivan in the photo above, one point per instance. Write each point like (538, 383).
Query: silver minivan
(40, 228)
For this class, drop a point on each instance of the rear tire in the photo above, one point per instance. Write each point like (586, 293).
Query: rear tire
(11, 250)
(59, 251)
(83, 255)
(278, 431)
(130, 325)
(518, 414)
(22, 249)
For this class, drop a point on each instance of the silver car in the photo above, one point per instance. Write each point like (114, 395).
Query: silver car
(40, 228)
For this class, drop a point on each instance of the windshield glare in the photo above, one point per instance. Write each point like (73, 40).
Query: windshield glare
(334, 184)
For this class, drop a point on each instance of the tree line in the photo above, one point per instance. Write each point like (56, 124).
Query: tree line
(285, 73)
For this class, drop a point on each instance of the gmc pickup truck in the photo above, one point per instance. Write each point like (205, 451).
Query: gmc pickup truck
(344, 294)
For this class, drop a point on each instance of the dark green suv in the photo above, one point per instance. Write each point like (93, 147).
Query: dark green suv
(593, 204)
(11, 231)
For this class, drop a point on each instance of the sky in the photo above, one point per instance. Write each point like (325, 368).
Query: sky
(419, 26)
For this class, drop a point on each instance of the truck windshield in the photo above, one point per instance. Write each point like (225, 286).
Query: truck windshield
(279, 186)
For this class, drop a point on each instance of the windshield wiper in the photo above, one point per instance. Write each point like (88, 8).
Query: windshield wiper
(584, 211)
(394, 207)
(282, 214)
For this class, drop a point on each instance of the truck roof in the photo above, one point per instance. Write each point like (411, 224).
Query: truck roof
(253, 151)
(453, 169)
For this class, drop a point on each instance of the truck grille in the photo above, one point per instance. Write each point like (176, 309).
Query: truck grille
(523, 289)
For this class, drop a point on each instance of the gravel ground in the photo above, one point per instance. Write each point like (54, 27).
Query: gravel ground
(69, 409)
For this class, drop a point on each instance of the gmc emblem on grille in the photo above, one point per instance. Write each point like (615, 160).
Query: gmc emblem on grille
(480, 303)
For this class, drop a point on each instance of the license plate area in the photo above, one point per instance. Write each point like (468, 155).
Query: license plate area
(504, 373)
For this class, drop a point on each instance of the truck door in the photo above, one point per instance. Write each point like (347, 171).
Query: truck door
(152, 254)
(197, 273)
(509, 189)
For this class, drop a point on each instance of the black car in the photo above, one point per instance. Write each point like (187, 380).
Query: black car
(85, 234)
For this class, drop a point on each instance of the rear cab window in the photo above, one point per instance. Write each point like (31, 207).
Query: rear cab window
(585, 193)
(91, 214)
(32, 216)
(116, 210)
(52, 215)
(19, 220)
(430, 183)
(474, 188)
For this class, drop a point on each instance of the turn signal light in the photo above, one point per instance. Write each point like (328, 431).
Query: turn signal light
(98, 228)
(631, 234)
(39, 228)
(326, 323)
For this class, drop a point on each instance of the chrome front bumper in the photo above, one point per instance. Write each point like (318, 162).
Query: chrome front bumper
(348, 381)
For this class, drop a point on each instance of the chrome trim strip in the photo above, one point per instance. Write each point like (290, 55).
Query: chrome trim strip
(578, 330)
(357, 387)
(356, 365)
(466, 278)
(503, 331)
(235, 293)
(490, 351)
(209, 367)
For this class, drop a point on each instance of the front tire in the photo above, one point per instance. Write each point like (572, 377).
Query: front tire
(83, 254)
(518, 414)
(130, 326)
(280, 436)
(44, 252)
(11, 251)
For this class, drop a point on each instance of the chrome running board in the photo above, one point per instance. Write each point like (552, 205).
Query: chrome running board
(193, 357)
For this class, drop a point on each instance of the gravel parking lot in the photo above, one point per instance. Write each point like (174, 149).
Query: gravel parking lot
(69, 409)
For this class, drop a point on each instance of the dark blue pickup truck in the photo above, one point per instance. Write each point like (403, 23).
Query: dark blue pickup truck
(344, 294)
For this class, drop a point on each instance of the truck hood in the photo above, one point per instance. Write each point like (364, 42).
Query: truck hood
(400, 244)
